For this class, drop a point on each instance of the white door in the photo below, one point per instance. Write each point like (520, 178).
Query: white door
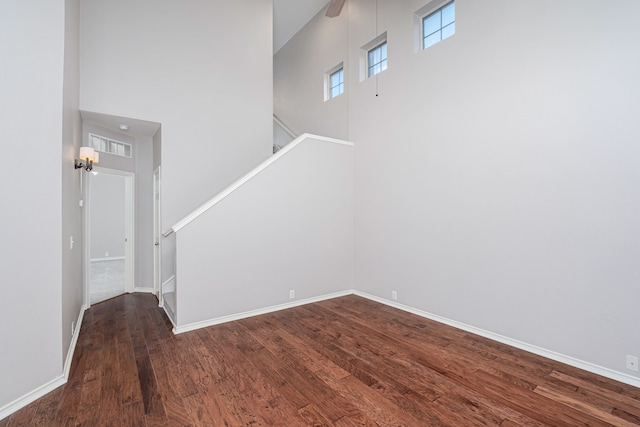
(109, 235)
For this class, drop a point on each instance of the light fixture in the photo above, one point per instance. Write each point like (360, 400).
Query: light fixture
(88, 157)
(124, 127)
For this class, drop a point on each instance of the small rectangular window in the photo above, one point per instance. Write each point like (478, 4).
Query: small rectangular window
(336, 83)
(373, 57)
(439, 25)
(377, 60)
(108, 145)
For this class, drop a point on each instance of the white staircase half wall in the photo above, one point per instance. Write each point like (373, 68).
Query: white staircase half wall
(285, 226)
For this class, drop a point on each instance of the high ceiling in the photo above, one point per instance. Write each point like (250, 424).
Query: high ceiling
(289, 16)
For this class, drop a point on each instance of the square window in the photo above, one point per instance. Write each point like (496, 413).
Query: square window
(377, 60)
(439, 25)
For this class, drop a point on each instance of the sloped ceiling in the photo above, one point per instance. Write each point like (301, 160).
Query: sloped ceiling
(289, 16)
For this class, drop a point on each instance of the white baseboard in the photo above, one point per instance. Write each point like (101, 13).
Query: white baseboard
(567, 360)
(143, 289)
(36, 394)
(74, 341)
(32, 396)
(232, 317)
(111, 258)
(39, 392)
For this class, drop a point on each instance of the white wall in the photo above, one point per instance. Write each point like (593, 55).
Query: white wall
(32, 44)
(289, 227)
(496, 172)
(203, 69)
(72, 288)
(298, 85)
(144, 212)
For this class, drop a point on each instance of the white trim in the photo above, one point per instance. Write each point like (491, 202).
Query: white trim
(169, 316)
(30, 397)
(567, 360)
(143, 289)
(173, 277)
(418, 18)
(110, 258)
(44, 389)
(86, 212)
(284, 127)
(232, 317)
(364, 56)
(74, 342)
(111, 142)
(161, 303)
(327, 81)
(239, 183)
(130, 219)
(130, 232)
(157, 235)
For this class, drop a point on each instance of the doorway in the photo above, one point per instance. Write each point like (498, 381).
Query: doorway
(157, 238)
(110, 236)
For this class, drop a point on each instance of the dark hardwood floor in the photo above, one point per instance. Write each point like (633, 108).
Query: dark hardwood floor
(342, 362)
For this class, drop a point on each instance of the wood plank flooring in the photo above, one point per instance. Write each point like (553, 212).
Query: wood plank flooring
(342, 362)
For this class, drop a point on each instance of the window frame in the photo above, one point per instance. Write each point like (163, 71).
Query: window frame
(328, 93)
(382, 64)
(422, 14)
(364, 56)
(108, 145)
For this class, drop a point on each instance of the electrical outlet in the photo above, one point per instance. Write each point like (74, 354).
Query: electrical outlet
(71, 242)
(73, 327)
(292, 294)
(106, 254)
(632, 363)
(394, 295)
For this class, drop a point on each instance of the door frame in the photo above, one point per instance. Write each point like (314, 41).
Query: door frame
(129, 229)
(157, 235)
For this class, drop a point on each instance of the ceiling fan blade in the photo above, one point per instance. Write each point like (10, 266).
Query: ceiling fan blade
(334, 9)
